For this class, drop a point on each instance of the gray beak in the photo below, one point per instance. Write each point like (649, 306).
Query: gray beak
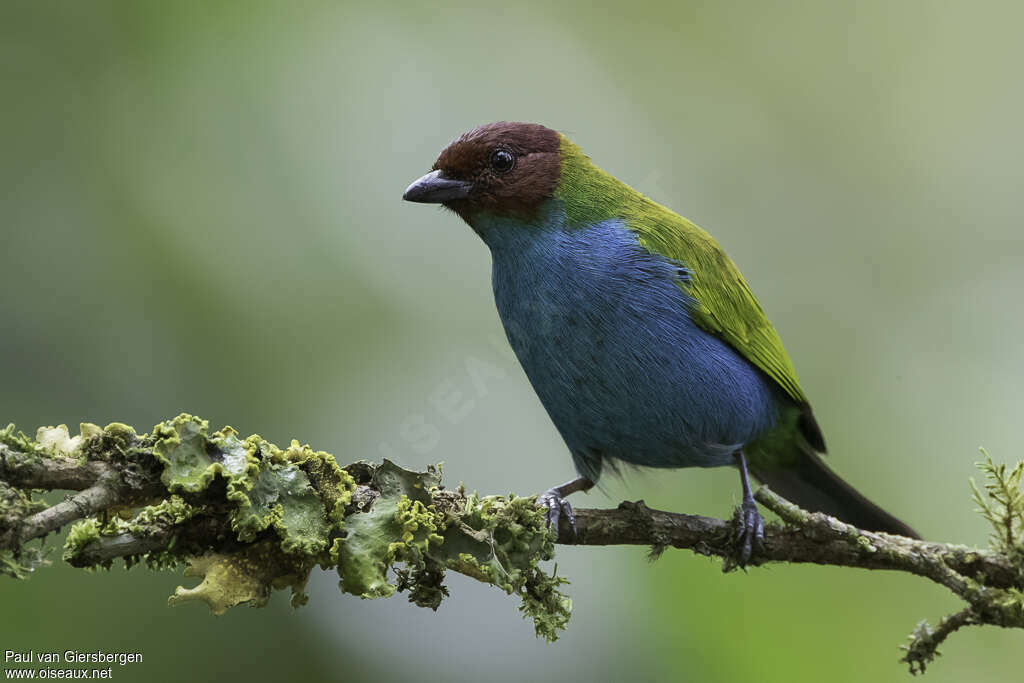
(434, 188)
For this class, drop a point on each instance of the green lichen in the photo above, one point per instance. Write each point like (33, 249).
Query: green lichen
(426, 585)
(249, 577)
(922, 649)
(370, 548)
(167, 513)
(500, 541)
(88, 430)
(549, 608)
(16, 440)
(83, 534)
(227, 581)
(16, 505)
(270, 488)
(334, 485)
(297, 496)
(281, 497)
(149, 521)
(21, 565)
(249, 518)
(496, 540)
(299, 492)
(181, 448)
(115, 441)
(865, 545)
(120, 432)
(503, 537)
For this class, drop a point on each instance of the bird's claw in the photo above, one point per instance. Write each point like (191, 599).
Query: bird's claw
(555, 505)
(750, 534)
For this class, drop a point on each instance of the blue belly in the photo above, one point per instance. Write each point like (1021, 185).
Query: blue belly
(602, 329)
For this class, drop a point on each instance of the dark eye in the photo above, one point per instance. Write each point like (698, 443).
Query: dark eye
(502, 160)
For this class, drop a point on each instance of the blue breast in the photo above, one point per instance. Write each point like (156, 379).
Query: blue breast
(602, 330)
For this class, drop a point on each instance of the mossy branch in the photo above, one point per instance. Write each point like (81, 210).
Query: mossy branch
(249, 517)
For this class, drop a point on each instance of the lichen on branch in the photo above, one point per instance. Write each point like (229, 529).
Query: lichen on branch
(247, 518)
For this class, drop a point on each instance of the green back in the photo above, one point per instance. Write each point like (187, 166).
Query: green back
(725, 305)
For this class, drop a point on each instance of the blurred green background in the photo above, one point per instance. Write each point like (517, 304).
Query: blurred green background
(199, 211)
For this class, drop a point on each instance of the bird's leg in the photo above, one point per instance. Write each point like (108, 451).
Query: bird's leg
(554, 500)
(751, 530)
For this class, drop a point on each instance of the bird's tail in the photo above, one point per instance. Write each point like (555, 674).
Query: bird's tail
(813, 486)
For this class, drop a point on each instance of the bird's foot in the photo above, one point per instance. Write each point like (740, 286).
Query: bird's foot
(555, 506)
(750, 525)
(750, 531)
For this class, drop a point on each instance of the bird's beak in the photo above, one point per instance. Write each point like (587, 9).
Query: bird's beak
(434, 188)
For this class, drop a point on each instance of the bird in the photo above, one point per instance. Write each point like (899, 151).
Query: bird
(641, 338)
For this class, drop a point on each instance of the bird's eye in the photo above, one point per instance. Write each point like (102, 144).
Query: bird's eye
(502, 160)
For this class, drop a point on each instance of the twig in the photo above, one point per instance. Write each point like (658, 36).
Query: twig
(97, 497)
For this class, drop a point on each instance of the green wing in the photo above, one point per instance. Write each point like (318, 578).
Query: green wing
(725, 306)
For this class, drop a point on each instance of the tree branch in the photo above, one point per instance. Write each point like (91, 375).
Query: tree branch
(250, 517)
(87, 502)
(812, 538)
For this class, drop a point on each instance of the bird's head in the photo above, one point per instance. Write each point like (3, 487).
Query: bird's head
(505, 169)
